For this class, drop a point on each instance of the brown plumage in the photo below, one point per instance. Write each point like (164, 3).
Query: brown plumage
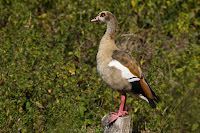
(128, 62)
(118, 69)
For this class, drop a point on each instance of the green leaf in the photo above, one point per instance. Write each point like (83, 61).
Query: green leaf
(43, 16)
(179, 70)
(133, 4)
(28, 104)
(195, 126)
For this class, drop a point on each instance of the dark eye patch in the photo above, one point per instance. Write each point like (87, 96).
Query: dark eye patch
(102, 15)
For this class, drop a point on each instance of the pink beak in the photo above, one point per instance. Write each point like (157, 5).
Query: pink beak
(95, 19)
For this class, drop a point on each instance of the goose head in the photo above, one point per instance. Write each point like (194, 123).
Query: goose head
(103, 16)
(110, 20)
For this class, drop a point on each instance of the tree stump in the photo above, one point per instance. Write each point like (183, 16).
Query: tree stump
(121, 125)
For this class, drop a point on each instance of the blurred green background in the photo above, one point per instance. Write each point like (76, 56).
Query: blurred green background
(48, 76)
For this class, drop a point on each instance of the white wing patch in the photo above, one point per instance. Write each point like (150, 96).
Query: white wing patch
(144, 98)
(125, 71)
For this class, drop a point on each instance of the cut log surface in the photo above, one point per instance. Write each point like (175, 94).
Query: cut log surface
(121, 125)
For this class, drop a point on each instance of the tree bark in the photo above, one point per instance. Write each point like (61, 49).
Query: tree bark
(121, 125)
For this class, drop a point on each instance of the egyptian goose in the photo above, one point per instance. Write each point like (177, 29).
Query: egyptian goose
(118, 69)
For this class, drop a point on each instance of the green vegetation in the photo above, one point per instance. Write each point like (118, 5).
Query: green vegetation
(48, 77)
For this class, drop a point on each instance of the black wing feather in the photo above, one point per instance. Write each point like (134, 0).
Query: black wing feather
(137, 89)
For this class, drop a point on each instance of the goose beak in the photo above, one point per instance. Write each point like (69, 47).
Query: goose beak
(95, 19)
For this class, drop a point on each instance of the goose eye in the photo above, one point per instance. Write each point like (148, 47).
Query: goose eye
(103, 14)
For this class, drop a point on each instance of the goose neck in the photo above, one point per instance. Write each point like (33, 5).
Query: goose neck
(112, 28)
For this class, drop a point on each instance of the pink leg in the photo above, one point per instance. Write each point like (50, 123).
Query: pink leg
(121, 111)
